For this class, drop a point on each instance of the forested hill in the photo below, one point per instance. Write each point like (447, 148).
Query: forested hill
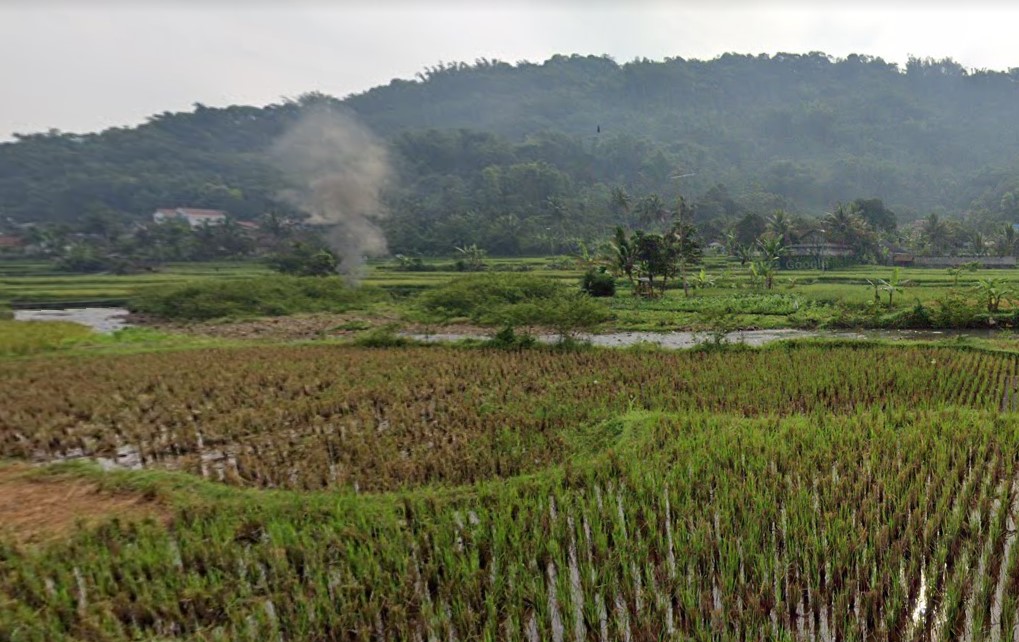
(492, 151)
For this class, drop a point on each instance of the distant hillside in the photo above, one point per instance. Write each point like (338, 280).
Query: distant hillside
(492, 152)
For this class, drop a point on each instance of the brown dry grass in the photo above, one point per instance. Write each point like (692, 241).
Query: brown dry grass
(304, 326)
(38, 510)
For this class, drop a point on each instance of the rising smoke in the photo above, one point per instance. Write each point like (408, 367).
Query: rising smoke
(338, 169)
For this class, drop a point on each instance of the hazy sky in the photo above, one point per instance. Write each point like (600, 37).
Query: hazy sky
(88, 65)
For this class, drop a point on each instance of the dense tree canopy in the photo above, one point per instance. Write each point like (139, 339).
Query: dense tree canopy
(528, 158)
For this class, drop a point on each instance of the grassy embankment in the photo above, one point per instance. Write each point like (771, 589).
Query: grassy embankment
(799, 299)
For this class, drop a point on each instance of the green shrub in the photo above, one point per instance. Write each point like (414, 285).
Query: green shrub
(482, 297)
(302, 259)
(516, 300)
(355, 325)
(598, 283)
(83, 258)
(566, 313)
(511, 267)
(741, 303)
(382, 337)
(953, 311)
(508, 339)
(413, 264)
(265, 296)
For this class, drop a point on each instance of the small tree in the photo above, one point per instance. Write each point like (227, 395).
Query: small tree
(598, 283)
(84, 258)
(566, 313)
(655, 257)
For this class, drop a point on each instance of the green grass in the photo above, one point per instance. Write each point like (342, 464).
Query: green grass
(19, 338)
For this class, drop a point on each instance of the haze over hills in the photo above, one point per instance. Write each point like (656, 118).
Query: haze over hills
(509, 155)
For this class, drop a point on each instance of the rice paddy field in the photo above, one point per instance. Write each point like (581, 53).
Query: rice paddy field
(804, 491)
(29, 283)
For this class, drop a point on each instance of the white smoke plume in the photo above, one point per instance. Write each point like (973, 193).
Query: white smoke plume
(338, 169)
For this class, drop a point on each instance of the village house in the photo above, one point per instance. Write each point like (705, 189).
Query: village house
(823, 250)
(956, 261)
(10, 242)
(194, 217)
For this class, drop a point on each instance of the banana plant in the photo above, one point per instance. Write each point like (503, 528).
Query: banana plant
(755, 275)
(892, 285)
(876, 284)
(473, 256)
(957, 271)
(771, 251)
(704, 280)
(993, 292)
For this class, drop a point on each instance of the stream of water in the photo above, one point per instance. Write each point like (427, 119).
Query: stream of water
(677, 340)
(108, 320)
(102, 320)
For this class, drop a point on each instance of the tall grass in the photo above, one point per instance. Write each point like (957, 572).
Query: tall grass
(19, 338)
(263, 296)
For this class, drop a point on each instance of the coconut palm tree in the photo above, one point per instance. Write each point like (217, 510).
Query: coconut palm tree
(1004, 244)
(978, 243)
(651, 210)
(620, 203)
(620, 254)
(846, 227)
(683, 239)
(935, 234)
(781, 226)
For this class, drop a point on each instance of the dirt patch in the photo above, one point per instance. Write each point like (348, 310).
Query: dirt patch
(36, 510)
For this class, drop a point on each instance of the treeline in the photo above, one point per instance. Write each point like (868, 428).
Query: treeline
(526, 158)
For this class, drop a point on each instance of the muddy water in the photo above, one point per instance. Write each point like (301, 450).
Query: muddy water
(102, 320)
(678, 340)
(108, 320)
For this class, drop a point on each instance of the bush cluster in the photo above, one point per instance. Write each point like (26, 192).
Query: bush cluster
(598, 283)
(264, 296)
(514, 300)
